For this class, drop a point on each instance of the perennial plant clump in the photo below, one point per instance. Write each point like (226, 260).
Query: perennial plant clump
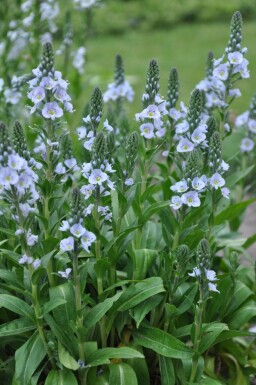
(121, 258)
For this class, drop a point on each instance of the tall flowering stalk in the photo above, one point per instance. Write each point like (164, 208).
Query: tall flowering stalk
(206, 279)
(224, 73)
(48, 93)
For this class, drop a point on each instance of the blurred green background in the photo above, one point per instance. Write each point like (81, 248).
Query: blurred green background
(177, 33)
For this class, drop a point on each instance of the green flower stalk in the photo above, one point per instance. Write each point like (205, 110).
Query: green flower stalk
(19, 141)
(96, 107)
(5, 143)
(47, 62)
(152, 83)
(211, 127)
(234, 43)
(195, 109)
(119, 70)
(173, 89)
(205, 278)
(131, 151)
(194, 165)
(215, 152)
(209, 65)
(66, 147)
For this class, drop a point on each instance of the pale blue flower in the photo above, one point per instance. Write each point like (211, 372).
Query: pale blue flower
(198, 136)
(66, 273)
(180, 187)
(199, 183)
(37, 94)
(225, 192)
(191, 199)
(67, 244)
(176, 202)
(247, 145)
(77, 230)
(52, 111)
(252, 125)
(48, 83)
(217, 181)
(87, 190)
(87, 239)
(129, 182)
(147, 130)
(185, 145)
(64, 226)
(235, 58)
(221, 71)
(97, 177)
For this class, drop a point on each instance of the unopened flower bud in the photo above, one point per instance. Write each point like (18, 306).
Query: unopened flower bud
(96, 107)
(19, 141)
(119, 70)
(173, 88)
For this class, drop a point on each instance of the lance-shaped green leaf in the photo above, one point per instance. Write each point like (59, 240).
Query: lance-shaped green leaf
(66, 359)
(99, 310)
(166, 371)
(232, 211)
(16, 305)
(139, 312)
(153, 209)
(103, 356)
(67, 340)
(11, 278)
(140, 292)
(61, 377)
(53, 304)
(232, 180)
(162, 343)
(65, 313)
(28, 357)
(17, 326)
(210, 334)
(243, 315)
(143, 259)
(122, 374)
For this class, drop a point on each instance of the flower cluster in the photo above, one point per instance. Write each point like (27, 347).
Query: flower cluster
(98, 178)
(85, 4)
(92, 121)
(190, 124)
(152, 119)
(154, 106)
(78, 234)
(25, 260)
(46, 85)
(247, 121)
(120, 88)
(123, 90)
(224, 72)
(49, 10)
(18, 186)
(202, 272)
(210, 277)
(194, 184)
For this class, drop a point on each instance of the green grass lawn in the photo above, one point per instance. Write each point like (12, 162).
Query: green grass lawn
(185, 47)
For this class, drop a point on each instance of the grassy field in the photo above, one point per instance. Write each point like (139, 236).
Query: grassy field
(185, 47)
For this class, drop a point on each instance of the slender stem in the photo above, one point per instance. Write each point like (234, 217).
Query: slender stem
(198, 334)
(47, 212)
(34, 289)
(211, 219)
(145, 166)
(98, 257)
(39, 323)
(79, 314)
(176, 237)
